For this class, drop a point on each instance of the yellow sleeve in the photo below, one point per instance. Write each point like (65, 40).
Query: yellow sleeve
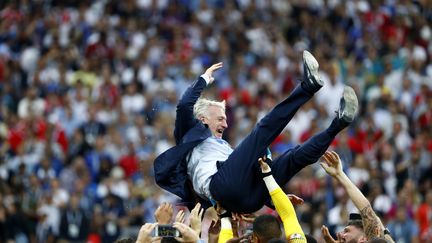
(287, 213)
(225, 235)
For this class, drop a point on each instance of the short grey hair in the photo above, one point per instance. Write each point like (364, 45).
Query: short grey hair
(201, 107)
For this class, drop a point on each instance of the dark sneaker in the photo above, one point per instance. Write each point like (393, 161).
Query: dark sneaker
(348, 105)
(310, 72)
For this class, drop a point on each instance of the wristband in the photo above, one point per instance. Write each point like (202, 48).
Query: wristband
(226, 214)
(265, 174)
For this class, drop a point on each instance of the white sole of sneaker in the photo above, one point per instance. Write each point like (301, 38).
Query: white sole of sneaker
(351, 103)
(312, 65)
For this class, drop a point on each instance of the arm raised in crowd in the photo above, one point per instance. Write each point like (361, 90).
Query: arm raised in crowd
(144, 235)
(185, 119)
(187, 233)
(164, 213)
(372, 225)
(282, 203)
(180, 217)
(195, 218)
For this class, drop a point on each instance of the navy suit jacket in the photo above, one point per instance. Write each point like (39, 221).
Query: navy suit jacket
(170, 167)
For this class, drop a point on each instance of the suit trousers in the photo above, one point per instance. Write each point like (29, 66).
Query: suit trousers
(238, 185)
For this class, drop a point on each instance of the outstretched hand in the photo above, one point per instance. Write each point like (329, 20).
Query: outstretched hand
(180, 217)
(264, 166)
(187, 233)
(144, 234)
(296, 200)
(211, 69)
(248, 218)
(164, 213)
(332, 163)
(195, 218)
(326, 235)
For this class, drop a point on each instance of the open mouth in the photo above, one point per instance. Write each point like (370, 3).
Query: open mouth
(219, 132)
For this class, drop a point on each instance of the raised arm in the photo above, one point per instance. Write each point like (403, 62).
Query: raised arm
(282, 203)
(372, 225)
(185, 119)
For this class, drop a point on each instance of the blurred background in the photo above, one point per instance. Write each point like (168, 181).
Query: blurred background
(88, 92)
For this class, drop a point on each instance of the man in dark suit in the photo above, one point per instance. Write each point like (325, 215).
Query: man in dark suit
(204, 167)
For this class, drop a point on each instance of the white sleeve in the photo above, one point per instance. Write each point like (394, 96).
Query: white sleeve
(206, 78)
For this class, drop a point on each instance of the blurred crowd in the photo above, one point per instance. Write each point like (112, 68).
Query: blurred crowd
(88, 92)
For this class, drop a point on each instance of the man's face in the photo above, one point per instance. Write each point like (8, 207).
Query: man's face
(216, 120)
(352, 234)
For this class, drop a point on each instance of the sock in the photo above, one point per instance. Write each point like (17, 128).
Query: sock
(309, 87)
(336, 126)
